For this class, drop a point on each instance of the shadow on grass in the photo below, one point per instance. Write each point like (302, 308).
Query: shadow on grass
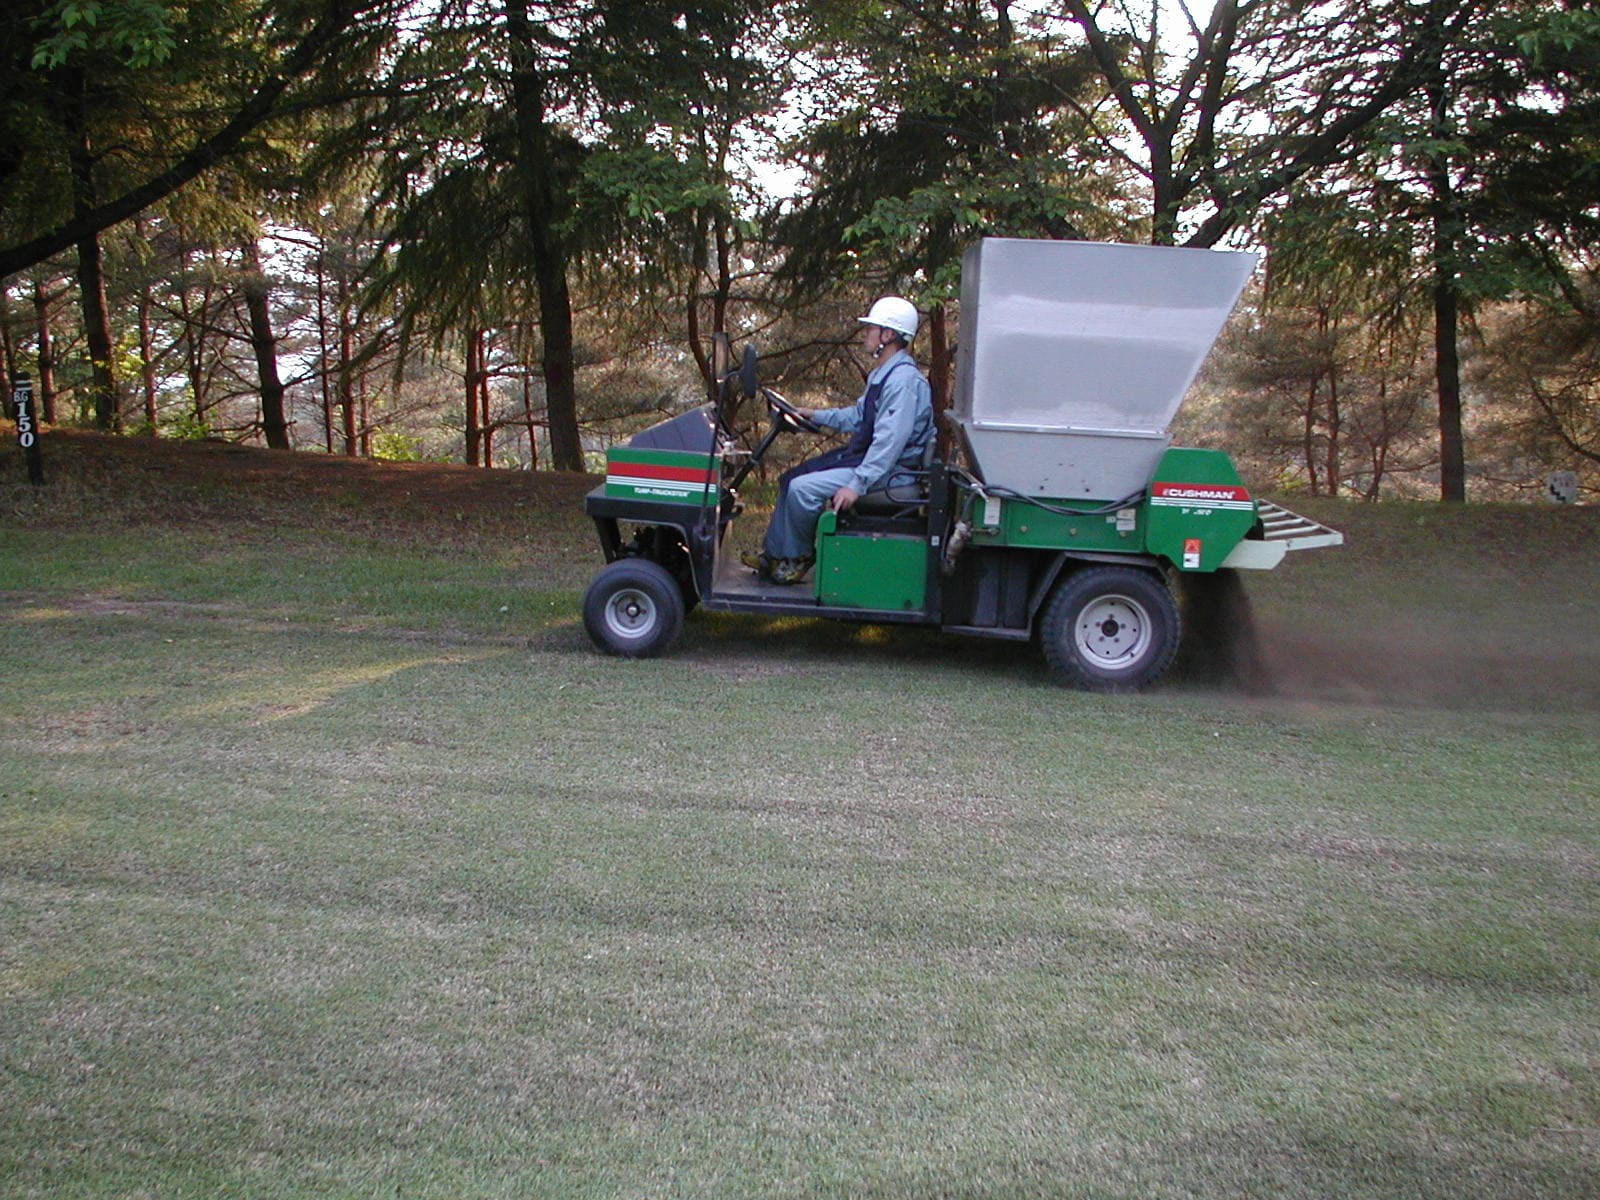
(740, 645)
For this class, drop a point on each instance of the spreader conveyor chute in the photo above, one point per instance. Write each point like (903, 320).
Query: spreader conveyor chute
(1282, 531)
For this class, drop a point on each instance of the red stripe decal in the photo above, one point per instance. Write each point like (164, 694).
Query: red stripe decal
(698, 475)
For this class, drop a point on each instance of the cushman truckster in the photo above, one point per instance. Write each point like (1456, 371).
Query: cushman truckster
(1069, 519)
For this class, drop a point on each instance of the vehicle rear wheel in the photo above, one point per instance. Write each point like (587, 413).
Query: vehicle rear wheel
(1109, 629)
(633, 608)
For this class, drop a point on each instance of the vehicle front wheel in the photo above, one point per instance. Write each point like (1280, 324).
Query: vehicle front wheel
(1109, 629)
(633, 608)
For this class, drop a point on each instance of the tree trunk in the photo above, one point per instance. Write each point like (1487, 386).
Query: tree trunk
(550, 251)
(1446, 305)
(1380, 446)
(1310, 435)
(347, 399)
(322, 345)
(723, 292)
(262, 105)
(8, 349)
(147, 353)
(265, 346)
(191, 336)
(194, 331)
(147, 361)
(485, 419)
(91, 268)
(47, 362)
(527, 417)
(97, 334)
(1335, 421)
(1447, 374)
(691, 305)
(470, 395)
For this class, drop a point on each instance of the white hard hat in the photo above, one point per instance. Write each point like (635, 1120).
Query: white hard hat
(893, 312)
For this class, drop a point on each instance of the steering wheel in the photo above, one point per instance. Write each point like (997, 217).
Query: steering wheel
(787, 414)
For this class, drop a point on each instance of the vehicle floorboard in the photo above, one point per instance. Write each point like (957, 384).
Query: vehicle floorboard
(736, 582)
(736, 588)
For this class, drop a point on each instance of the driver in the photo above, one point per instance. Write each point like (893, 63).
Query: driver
(890, 426)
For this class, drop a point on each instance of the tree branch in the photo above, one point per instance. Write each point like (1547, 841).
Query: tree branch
(336, 16)
(1327, 145)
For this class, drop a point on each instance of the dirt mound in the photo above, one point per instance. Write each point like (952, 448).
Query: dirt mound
(95, 478)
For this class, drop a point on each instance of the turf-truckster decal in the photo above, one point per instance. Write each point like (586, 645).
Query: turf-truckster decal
(665, 476)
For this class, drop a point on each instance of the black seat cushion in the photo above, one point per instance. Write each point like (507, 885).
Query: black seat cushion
(892, 500)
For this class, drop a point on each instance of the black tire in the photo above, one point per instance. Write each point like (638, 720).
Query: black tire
(1109, 629)
(633, 608)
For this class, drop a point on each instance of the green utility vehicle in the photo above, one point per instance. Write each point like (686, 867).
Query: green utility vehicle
(1070, 519)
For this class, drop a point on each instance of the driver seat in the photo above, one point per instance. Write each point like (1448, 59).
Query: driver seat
(904, 498)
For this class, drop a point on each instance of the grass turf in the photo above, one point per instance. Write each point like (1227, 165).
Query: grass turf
(332, 869)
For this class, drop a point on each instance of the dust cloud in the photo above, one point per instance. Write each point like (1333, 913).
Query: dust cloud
(1412, 663)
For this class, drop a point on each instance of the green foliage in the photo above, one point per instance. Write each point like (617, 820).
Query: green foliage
(110, 106)
(1022, 199)
(946, 128)
(646, 186)
(139, 33)
(923, 126)
(1534, 141)
(391, 445)
(1553, 38)
(184, 426)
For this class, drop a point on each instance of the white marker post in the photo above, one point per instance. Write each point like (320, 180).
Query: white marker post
(27, 426)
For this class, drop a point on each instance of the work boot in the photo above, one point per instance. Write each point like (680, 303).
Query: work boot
(790, 570)
(761, 564)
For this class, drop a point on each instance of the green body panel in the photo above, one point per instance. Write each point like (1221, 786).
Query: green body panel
(1197, 509)
(1195, 513)
(1030, 527)
(870, 570)
(662, 476)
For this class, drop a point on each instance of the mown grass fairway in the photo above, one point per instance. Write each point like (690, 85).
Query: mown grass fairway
(333, 861)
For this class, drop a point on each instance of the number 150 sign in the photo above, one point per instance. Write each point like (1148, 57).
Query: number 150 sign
(27, 426)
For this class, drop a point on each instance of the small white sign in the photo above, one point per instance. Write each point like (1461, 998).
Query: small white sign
(1562, 487)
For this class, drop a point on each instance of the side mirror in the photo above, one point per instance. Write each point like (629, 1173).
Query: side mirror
(749, 380)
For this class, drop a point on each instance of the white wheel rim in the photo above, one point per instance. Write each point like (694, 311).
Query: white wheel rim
(630, 613)
(1113, 632)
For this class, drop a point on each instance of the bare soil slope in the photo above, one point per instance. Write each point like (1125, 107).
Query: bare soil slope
(90, 478)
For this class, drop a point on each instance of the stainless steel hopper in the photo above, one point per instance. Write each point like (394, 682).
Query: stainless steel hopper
(1075, 357)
